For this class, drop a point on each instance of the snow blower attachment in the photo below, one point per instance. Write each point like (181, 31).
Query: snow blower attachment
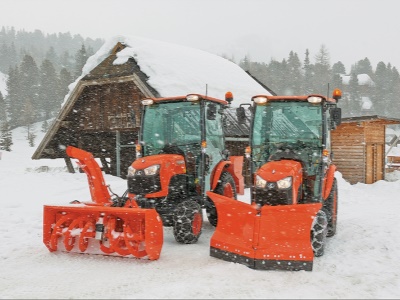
(107, 225)
(294, 195)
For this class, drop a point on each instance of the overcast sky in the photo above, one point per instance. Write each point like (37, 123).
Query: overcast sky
(262, 29)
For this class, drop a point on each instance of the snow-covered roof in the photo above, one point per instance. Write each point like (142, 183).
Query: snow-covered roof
(363, 79)
(179, 70)
(366, 102)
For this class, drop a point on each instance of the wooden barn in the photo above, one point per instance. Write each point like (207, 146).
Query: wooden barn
(358, 145)
(97, 113)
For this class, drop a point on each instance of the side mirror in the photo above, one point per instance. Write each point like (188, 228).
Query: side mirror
(241, 115)
(336, 116)
(211, 111)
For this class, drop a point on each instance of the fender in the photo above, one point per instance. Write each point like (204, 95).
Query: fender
(216, 173)
(234, 166)
(328, 181)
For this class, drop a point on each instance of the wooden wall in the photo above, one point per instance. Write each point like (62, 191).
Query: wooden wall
(107, 107)
(359, 151)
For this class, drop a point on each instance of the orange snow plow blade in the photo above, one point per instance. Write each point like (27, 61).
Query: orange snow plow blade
(273, 238)
(92, 229)
(98, 227)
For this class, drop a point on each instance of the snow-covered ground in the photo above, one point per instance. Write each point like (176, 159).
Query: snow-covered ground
(361, 261)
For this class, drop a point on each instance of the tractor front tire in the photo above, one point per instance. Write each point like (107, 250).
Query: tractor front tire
(332, 208)
(319, 231)
(188, 222)
(226, 187)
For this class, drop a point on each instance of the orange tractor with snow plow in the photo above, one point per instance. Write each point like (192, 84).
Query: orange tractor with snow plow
(179, 157)
(294, 193)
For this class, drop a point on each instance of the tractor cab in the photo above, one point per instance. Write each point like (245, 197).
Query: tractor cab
(190, 126)
(296, 130)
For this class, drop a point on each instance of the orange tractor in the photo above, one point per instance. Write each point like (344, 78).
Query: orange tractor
(179, 157)
(294, 193)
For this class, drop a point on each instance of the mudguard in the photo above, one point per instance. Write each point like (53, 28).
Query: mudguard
(328, 181)
(272, 238)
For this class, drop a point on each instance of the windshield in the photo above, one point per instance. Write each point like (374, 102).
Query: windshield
(291, 126)
(175, 123)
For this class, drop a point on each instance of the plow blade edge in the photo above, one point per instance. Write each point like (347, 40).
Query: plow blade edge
(96, 229)
(273, 238)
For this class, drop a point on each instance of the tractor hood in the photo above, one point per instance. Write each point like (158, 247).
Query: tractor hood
(277, 170)
(172, 162)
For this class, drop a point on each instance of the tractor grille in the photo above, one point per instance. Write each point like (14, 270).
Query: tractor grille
(273, 196)
(141, 185)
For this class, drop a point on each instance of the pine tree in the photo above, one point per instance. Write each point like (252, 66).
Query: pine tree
(5, 136)
(354, 95)
(49, 92)
(27, 121)
(3, 109)
(29, 88)
(321, 71)
(245, 63)
(80, 61)
(52, 56)
(294, 76)
(308, 74)
(338, 68)
(13, 100)
(381, 79)
(394, 107)
(66, 61)
(45, 126)
(65, 80)
(364, 67)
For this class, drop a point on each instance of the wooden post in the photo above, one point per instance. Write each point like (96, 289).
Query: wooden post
(69, 165)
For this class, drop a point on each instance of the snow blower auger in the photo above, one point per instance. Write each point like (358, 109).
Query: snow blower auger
(108, 225)
(294, 196)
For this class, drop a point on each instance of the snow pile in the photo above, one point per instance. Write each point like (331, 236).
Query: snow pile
(360, 261)
(175, 70)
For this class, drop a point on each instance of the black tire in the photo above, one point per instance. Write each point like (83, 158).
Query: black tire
(188, 222)
(226, 180)
(319, 230)
(332, 208)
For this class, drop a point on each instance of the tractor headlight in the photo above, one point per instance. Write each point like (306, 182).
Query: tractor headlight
(284, 183)
(260, 183)
(152, 170)
(131, 171)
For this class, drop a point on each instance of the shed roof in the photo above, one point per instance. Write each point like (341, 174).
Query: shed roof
(158, 69)
(372, 118)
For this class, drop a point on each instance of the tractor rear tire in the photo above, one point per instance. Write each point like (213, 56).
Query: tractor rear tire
(319, 230)
(225, 187)
(188, 222)
(332, 208)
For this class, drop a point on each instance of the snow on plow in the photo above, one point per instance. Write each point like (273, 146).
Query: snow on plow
(271, 238)
(100, 226)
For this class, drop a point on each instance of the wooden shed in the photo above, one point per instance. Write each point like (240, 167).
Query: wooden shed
(97, 114)
(358, 145)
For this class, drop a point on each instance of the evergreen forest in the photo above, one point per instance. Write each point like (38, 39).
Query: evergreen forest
(40, 67)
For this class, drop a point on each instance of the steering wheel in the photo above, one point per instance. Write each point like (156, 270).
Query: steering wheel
(170, 148)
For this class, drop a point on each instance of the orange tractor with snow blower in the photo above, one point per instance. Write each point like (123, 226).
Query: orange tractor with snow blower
(179, 157)
(294, 193)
